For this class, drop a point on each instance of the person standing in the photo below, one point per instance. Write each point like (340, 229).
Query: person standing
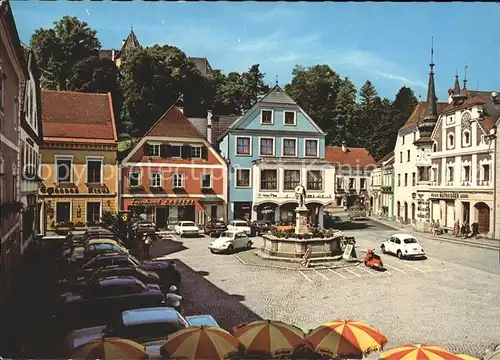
(456, 228)
(306, 260)
(146, 246)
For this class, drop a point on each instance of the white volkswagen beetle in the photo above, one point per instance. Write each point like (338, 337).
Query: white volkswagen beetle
(229, 241)
(239, 225)
(404, 246)
(187, 228)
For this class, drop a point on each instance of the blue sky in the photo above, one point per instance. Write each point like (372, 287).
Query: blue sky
(387, 43)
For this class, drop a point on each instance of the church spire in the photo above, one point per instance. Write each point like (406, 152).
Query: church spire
(431, 113)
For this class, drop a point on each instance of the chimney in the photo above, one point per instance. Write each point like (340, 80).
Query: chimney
(344, 146)
(209, 126)
(181, 109)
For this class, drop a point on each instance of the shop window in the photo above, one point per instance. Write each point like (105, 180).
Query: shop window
(268, 179)
(64, 168)
(314, 180)
(93, 211)
(94, 170)
(206, 181)
(243, 178)
(196, 152)
(311, 148)
(178, 181)
(243, 146)
(63, 211)
(291, 179)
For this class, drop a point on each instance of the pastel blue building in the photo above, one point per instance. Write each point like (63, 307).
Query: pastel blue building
(271, 149)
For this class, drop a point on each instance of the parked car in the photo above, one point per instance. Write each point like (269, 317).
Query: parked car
(403, 245)
(335, 222)
(140, 325)
(215, 228)
(239, 225)
(356, 212)
(229, 241)
(261, 226)
(184, 228)
(104, 300)
(169, 275)
(147, 277)
(145, 227)
(100, 246)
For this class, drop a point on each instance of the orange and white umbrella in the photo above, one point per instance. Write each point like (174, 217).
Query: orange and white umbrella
(110, 348)
(345, 339)
(270, 338)
(200, 342)
(418, 352)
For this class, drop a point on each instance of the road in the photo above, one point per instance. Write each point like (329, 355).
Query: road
(450, 299)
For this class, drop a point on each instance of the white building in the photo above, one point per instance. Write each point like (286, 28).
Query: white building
(382, 186)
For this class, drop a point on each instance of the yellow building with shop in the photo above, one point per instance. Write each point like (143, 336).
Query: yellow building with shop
(79, 164)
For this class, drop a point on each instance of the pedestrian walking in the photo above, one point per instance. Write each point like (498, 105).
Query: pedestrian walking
(306, 259)
(146, 246)
(456, 228)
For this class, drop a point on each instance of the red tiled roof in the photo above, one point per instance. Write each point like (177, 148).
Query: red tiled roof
(77, 115)
(463, 104)
(487, 124)
(173, 123)
(418, 114)
(353, 157)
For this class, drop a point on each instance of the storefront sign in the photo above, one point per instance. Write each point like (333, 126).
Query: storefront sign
(161, 202)
(291, 196)
(148, 201)
(271, 195)
(449, 195)
(319, 196)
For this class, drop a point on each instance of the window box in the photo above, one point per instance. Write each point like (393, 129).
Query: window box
(136, 187)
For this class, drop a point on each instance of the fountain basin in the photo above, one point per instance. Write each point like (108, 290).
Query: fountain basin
(293, 249)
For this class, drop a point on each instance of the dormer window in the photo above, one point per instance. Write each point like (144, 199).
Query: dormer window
(290, 117)
(266, 117)
(466, 137)
(451, 141)
(154, 149)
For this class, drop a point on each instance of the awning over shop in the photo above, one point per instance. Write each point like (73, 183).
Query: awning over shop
(211, 199)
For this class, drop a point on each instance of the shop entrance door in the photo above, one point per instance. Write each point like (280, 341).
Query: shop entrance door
(161, 217)
(466, 212)
(213, 212)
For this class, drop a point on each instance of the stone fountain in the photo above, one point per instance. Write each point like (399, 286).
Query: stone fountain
(292, 247)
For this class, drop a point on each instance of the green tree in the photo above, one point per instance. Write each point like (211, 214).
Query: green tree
(253, 85)
(315, 89)
(363, 124)
(384, 128)
(59, 49)
(345, 106)
(403, 104)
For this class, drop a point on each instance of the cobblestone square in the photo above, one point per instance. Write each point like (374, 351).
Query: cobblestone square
(450, 298)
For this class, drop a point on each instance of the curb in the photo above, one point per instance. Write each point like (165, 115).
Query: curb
(297, 269)
(451, 241)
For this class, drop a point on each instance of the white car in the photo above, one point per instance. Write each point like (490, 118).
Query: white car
(403, 245)
(239, 225)
(229, 241)
(187, 228)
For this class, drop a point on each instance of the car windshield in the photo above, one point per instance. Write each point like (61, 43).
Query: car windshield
(188, 224)
(227, 234)
(410, 241)
(240, 223)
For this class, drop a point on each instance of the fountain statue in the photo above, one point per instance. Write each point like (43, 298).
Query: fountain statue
(301, 211)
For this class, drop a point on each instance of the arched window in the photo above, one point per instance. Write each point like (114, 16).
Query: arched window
(466, 138)
(451, 141)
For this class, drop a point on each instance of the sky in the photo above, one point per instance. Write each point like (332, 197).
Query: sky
(386, 43)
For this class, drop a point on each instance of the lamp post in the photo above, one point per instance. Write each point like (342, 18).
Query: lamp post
(492, 136)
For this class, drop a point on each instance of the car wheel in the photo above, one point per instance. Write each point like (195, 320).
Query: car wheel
(230, 249)
(213, 252)
(400, 254)
(383, 249)
(249, 245)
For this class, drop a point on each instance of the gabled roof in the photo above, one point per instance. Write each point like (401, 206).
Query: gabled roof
(418, 114)
(352, 157)
(77, 115)
(220, 123)
(276, 96)
(173, 123)
(464, 104)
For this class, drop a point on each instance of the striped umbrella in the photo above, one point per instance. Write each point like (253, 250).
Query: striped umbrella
(270, 338)
(466, 357)
(200, 342)
(345, 339)
(418, 352)
(110, 348)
